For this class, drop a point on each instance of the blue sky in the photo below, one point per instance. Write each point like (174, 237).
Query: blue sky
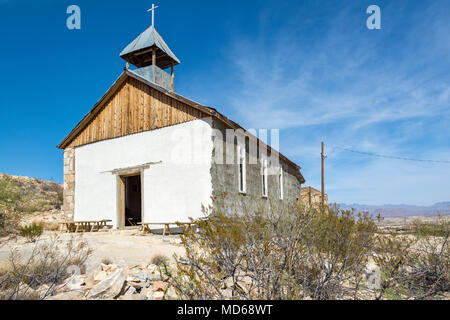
(310, 68)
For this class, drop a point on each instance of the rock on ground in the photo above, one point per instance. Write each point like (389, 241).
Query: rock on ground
(110, 287)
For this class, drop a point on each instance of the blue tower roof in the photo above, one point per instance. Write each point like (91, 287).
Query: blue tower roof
(139, 52)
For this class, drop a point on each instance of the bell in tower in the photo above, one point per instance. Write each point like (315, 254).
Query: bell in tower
(151, 55)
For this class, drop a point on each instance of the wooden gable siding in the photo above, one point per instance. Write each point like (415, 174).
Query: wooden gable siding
(135, 107)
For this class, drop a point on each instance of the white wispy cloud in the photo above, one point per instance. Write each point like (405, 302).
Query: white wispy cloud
(385, 92)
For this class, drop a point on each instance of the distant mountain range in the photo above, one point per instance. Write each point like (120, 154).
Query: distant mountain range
(401, 210)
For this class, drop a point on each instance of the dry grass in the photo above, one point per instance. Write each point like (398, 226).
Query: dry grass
(28, 195)
(106, 261)
(159, 259)
(38, 275)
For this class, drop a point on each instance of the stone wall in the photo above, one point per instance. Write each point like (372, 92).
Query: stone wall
(69, 183)
(312, 198)
(225, 177)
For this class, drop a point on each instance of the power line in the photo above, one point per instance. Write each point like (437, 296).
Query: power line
(390, 157)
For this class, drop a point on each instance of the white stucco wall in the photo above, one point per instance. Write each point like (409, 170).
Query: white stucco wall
(173, 190)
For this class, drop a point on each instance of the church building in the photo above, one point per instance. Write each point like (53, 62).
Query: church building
(144, 153)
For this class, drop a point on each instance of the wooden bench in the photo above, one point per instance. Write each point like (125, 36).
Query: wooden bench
(83, 226)
(146, 226)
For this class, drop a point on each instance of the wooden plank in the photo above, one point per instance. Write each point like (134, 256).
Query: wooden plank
(135, 107)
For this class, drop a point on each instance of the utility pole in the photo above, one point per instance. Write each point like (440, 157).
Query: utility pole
(323, 182)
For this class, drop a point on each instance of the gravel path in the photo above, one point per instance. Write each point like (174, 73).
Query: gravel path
(124, 247)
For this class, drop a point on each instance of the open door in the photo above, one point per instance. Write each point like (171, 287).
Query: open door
(133, 200)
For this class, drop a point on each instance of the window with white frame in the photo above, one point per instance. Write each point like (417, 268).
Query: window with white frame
(280, 182)
(264, 176)
(242, 168)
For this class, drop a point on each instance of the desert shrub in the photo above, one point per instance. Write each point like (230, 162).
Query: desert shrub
(9, 194)
(32, 231)
(417, 265)
(159, 259)
(8, 223)
(33, 205)
(38, 276)
(29, 196)
(440, 228)
(106, 260)
(256, 250)
(391, 254)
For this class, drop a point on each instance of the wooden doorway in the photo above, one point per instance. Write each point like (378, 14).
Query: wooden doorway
(133, 200)
(129, 198)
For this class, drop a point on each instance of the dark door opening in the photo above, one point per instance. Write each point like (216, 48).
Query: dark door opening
(133, 203)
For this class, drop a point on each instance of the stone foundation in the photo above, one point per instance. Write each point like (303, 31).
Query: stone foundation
(69, 183)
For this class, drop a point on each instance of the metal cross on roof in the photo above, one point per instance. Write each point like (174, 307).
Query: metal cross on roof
(152, 9)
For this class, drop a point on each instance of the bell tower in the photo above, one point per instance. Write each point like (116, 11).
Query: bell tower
(151, 55)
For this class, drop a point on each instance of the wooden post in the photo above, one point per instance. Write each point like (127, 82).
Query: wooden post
(172, 75)
(154, 56)
(154, 64)
(323, 183)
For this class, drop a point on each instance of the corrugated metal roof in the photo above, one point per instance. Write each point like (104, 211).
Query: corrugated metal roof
(147, 39)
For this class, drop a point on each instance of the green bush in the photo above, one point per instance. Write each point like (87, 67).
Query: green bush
(9, 194)
(248, 250)
(32, 231)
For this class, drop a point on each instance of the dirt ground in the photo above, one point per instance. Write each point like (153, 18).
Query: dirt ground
(406, 221)
(124, 247)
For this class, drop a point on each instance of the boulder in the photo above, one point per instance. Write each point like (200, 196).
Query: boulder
(100, 276)
(109, 267)
(90, 275)
(134, 284)
(110, 287)
(154, 277)
(159, 286)
(130, 291)
(75, 282)
(142, 276)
